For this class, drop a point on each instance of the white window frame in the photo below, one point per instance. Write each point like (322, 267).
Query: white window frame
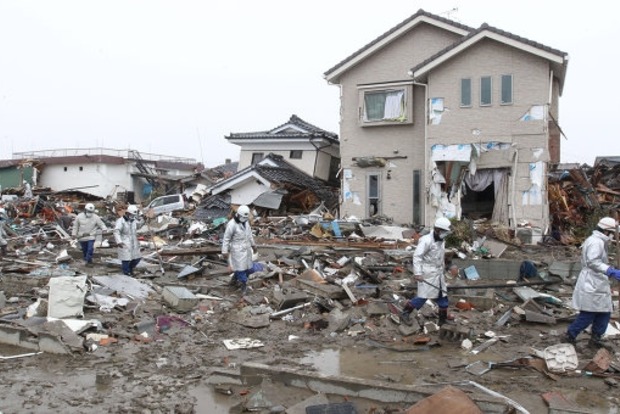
(406, 114)
(377, 197)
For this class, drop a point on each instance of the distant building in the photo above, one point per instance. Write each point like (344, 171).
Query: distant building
(102, 172)
(305, 146)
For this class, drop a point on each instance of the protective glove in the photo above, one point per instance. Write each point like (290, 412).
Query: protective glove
(613, 272)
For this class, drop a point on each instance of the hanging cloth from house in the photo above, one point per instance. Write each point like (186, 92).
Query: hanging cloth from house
(484, 178)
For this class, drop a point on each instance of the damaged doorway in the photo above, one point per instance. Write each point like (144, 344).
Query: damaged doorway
(478, 204)
(485, 195)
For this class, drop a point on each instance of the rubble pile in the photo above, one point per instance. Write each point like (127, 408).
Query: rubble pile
(578, 197)
(320, 284)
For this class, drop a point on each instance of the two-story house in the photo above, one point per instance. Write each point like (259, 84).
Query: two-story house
(313, 150)
(441, 119)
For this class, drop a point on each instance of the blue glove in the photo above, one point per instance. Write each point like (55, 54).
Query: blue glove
(613, 272)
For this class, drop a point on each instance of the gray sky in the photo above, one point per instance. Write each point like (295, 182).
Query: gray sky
(175, 77)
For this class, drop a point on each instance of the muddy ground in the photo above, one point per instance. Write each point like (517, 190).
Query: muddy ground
(174, 370)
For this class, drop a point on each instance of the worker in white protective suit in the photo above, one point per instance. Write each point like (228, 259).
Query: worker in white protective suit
(3, 242)
(126, 237)
(238, 246)
(85, 229)
(27, 189)
(592, 294)
(429, 272)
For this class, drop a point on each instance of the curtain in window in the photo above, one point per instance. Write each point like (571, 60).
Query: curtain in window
(384, 105)
(393, 105)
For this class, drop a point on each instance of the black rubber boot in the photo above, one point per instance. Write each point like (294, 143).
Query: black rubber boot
(596, 341)
(405, 315)
(443, 316)
(569, 339)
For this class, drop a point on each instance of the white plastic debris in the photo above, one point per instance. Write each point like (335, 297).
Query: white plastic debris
(467, 344)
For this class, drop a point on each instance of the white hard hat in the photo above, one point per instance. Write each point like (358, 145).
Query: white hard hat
(90, 207)
(607, 223)
(243, 211)
(442, 223)
(132, 209)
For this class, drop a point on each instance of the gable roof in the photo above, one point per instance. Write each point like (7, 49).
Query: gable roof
(558, 59)
(274, 171)
(397, 31)
(294, 128)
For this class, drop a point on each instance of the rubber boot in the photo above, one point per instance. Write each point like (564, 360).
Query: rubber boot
(405, 315)
(443, 316)
(570, 339)
(596, 342)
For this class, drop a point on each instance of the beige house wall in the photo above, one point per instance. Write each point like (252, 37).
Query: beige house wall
(306, 163)
(497, 122)
(406, 142)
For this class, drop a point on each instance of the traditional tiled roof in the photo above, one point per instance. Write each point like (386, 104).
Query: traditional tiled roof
(405, 22)
(283, 174)
(489, 28)
(295, 128)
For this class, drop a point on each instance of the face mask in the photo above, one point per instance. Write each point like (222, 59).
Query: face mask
(242, 219)
(88, 214)
(443, 235)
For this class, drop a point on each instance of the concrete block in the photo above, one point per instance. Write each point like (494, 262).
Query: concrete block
(323, 290)
(179, 298)
(493, 269)
(289, 298)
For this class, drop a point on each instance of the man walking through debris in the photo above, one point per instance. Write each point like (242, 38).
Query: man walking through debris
(126, 237)
(238, 246)
(3, 243)
(592, 294)
(85, 229)
(428, 271)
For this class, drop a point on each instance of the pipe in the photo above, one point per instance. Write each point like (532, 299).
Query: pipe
(498, 286)
(426, 167)
(514, 191)
(289, 310)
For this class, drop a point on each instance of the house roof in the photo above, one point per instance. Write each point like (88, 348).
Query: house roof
(82, 159)
(558, 59)
(400, 29)
(294, 128)
(274, 170)
(607, 160)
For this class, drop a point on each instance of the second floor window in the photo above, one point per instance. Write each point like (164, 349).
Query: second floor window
(387, 105)
(485, 91)
(506, 94)
(466, 92)
(296, 154)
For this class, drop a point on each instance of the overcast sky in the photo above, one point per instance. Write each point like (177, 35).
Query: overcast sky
(175, 77)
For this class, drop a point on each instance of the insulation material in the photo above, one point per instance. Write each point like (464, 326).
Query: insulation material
(534, 196)
(66, 296)
(436, 111)
(457, 152)
(535, 113)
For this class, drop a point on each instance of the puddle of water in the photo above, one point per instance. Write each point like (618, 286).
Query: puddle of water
(376, 364)
(209, 401)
